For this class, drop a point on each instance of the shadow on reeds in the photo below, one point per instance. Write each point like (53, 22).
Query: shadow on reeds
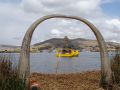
(9, 78)
(115, 62)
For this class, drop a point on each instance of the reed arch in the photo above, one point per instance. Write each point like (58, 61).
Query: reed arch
(24, 62)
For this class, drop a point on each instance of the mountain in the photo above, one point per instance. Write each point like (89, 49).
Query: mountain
(53, 41)
(78, 43)
(60, 41)
(8, 46)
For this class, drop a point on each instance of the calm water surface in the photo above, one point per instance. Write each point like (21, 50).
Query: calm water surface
(48, 63)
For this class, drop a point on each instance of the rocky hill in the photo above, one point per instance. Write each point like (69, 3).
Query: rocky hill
(79, 43)
(8, 46)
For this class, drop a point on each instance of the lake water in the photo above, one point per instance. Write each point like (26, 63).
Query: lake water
(48, 63)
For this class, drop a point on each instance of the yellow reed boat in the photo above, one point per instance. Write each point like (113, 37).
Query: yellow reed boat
(67, 52)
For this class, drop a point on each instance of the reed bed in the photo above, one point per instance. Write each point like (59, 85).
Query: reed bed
(74, 81)
(9, 78)
(116, 67)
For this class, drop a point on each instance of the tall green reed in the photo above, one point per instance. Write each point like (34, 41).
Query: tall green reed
(9, 77)
(116, 66)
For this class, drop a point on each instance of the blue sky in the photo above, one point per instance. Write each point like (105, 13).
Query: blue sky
(112, 9)
(17, 15)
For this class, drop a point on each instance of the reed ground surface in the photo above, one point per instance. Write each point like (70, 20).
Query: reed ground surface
(75, 81)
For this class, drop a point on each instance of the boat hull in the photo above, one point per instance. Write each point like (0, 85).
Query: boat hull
(72, 54)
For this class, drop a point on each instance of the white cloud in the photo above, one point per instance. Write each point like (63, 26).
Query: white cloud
(114, 22)
(56, 32)
(73, 7)
(13, 23)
